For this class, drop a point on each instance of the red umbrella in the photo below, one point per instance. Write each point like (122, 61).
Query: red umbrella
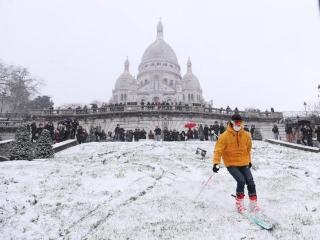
(190, 125)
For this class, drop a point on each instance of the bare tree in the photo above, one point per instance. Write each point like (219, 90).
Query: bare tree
(18, 86)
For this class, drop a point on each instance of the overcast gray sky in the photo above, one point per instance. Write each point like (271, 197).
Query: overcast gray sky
(245, 53)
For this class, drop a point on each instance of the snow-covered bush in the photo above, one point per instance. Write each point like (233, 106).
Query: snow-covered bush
(44, 145)
(22, 147)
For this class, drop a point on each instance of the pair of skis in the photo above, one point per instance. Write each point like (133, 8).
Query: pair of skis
(258, 218)
(261, 221)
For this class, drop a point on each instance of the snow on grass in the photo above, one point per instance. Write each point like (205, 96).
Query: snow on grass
(148, 190)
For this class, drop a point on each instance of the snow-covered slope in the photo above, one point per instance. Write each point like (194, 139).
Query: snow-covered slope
(147, 190)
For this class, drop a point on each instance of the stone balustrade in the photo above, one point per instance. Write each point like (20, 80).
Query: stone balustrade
(145, 109)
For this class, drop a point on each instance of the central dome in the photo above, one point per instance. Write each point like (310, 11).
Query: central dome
(159, 49)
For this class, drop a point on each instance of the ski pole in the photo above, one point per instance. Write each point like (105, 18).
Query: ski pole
(204, 185)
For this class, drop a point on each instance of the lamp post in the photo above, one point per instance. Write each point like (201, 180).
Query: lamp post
(317, 108)
(3, 95)
(305, 107)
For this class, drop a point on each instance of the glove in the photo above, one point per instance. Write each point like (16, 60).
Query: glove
(215, 168)
(250, 165)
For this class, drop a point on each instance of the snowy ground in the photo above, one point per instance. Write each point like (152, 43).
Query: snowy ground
(147, 190)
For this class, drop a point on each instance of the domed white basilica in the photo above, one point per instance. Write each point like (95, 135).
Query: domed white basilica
(159, 78)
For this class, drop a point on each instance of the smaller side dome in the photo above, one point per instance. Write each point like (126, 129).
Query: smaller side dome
(190, 81)
(125, 81)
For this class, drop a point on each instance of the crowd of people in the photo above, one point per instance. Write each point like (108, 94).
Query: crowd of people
(66, 129)
(200, 132)
(299, 133)
(70, 129)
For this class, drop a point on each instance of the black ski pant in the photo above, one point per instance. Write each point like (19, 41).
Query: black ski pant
(243, 176)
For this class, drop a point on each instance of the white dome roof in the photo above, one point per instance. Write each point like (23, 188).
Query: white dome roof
(159, 49)
(190, 81)
(126, 80)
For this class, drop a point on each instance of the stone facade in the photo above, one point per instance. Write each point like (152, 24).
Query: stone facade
(159, 78)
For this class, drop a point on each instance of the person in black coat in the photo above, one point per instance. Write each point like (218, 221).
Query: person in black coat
(80, 135)
(275, 131)
(33, 131)
(182, 136)
(317, 132)
(39, 131)
(206, 132)
(222, 128)
(252, 128)
(136, 135)
(157, 132)
(117, 133)
(309, 136)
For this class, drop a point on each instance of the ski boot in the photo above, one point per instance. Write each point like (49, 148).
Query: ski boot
(239, 203)
(253, 205)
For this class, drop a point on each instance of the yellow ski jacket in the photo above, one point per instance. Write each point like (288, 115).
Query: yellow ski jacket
(234, 148)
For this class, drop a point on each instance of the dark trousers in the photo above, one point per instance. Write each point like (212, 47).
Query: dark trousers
(243, 176)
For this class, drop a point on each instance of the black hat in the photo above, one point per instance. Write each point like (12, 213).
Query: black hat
(236, 117)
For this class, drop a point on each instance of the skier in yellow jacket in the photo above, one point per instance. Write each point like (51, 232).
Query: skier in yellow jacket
(234, 146)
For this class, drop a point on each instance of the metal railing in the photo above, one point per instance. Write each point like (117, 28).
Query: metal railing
(293, 114)
(11, 123)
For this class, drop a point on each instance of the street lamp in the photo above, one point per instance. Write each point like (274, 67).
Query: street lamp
(305, 107)
(3, 95)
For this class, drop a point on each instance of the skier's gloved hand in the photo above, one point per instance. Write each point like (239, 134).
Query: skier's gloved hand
(215, 168)
(250, 164)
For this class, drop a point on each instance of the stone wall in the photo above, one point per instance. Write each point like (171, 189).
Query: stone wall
(58, 147)
(294, 145)
(149, 119)
(171, 122)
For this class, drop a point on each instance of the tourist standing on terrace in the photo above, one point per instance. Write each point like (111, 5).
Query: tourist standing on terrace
(157, 132)
(275, 131)
(289, 133)
(117, 133)
(201, 133)
(317, 132)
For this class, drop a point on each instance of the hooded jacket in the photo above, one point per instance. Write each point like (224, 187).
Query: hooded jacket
(234, 148)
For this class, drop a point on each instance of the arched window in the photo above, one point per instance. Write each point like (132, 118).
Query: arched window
(145, 81)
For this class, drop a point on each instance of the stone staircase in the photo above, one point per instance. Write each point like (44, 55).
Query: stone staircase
(266, 131)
